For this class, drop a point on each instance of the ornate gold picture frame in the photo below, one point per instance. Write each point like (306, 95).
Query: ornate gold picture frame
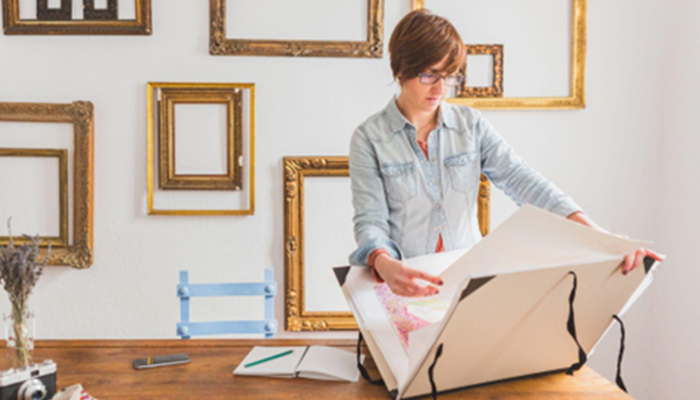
(169, 179)
(62, 155)
(496, 88)
(219, 44)
(296, 170)
(577, 96)
(206, 90)
(58, 21)
(80, 113)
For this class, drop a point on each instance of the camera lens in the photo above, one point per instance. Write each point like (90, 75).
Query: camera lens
(32, 389)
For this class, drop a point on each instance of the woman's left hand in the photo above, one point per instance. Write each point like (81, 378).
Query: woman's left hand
(634, 260)
(631, 261)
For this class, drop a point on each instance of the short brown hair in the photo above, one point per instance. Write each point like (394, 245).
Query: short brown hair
(422, 39)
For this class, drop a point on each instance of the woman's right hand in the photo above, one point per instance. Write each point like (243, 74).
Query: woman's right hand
(401, 278)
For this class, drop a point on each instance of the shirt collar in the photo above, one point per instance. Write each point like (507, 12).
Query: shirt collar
(398, 121)
(447, 116)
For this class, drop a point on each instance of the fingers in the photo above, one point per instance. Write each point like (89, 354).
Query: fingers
(404, 291)
(405, 283)
(423, 290)
(653, 255)
(414, 273)
(637, 259)
(426, 291)
(414, 290)
(627, 263)
(647, 252)
(403, 287)
(632, 261)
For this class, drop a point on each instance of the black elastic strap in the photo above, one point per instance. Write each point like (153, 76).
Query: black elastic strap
(571, 327)
(433, 388)
(618, 375)
(363, 370)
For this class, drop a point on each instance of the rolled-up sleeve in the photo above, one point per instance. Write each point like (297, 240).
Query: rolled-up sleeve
(371, 213)
(513, 176)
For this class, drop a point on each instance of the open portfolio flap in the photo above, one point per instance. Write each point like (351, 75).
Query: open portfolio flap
(508, 302)
(515, 324)
(530, 239)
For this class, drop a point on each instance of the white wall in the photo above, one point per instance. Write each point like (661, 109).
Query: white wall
(674, 348)
(627, 159)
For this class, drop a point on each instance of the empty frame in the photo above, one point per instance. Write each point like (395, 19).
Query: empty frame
(372, 47)
(201, 148)
(540, 45)
(48, 20)
(78, 253)
(298, 318)
(496, 87)
(204, 177)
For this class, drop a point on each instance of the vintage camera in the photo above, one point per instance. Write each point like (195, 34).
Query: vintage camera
(36, 382)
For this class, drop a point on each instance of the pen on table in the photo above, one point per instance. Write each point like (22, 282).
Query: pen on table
(284, 353)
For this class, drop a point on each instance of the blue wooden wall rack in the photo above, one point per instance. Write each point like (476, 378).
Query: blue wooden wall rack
(185, 290)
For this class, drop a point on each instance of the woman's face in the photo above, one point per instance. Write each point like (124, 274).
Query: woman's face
(425, 97)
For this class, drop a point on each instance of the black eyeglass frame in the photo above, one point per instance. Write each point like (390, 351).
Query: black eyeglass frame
(428, 78)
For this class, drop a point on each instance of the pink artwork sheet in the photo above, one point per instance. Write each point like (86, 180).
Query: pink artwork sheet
(396, 308)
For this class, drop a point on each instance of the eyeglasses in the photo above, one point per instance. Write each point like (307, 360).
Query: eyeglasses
(428, 78)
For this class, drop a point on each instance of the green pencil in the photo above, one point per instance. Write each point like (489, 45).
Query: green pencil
(284, 353)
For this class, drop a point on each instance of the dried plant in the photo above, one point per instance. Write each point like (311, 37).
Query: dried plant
(19, 273)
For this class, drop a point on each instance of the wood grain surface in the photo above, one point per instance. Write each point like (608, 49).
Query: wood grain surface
(104, 369)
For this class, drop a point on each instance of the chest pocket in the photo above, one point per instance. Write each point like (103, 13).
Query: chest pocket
(463, 170)
(400, 181)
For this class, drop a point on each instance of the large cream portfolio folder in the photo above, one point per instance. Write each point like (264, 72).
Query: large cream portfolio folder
(505, 305)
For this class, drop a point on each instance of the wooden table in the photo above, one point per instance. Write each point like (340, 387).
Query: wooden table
(104, 369)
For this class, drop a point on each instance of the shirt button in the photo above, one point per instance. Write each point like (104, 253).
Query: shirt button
(437, 205)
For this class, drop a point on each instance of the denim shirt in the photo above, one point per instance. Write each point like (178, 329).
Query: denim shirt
(404, 201)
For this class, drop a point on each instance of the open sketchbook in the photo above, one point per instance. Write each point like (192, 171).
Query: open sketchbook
(311, 362)
(502, 312)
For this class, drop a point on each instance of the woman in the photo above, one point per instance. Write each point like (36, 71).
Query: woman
(415, 165)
